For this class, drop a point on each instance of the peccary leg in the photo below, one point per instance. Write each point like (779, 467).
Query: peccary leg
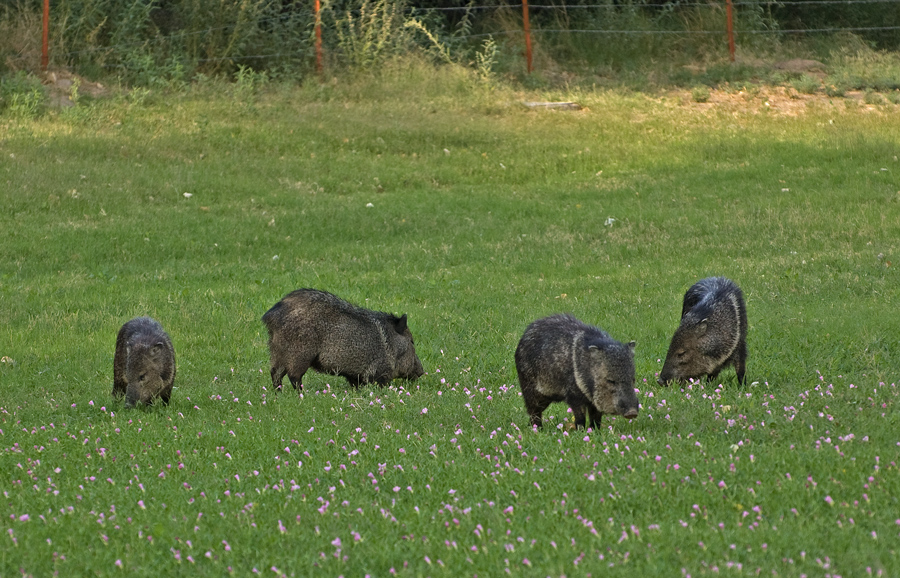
(278, 374)
(356, 380)
(383, 379)
(535, 406)
(740, 363)
(594, 418)
(296, 370)
(578, 412)
(740, 372)
(297, 382)
(295, 375)
(120, 384)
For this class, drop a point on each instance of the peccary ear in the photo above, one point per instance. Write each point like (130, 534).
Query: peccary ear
(632, 345)
(156, 350)
(400, 323)
(701, 328)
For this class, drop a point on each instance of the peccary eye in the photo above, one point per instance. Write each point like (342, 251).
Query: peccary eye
(143, 376)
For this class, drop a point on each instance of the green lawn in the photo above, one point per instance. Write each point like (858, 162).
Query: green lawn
(428, 194)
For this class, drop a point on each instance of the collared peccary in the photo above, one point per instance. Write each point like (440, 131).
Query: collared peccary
(712, 334)
(311, 328)
(144, 363)
(559, 358)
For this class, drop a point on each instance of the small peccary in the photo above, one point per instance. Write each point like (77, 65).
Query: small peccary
(559, 358)
(310, 328)
(144, 363)
(712, 334)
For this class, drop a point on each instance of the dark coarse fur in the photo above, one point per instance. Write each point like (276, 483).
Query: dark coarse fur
(311, 328)
(712, 334)
(144, 363)
(559, 358)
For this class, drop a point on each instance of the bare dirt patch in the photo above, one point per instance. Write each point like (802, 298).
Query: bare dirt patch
(778, 100)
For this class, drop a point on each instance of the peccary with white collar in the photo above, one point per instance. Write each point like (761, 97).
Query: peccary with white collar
(144, 363)
(309, 328)
(559, 358)
(712, 334)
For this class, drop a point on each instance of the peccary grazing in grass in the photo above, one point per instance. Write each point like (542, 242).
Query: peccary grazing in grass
(712, 334)
(144, 363)
(559, 358)
(311, 328)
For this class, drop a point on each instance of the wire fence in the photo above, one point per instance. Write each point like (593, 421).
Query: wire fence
(299, 35)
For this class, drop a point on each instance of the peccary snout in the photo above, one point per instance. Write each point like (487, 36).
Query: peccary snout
(417, 371)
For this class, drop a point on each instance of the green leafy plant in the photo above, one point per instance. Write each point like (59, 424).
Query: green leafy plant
(700, 93)
(862, 68)
(835, 87)
(434, 43)
(872, 97)
(486, 59)
(806, 84)
(371, 31)
(22, 96)
(248, 82)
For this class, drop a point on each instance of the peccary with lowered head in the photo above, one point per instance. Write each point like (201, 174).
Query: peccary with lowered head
(712, 334)
(311, 328)
(144, 363)
(559, 358)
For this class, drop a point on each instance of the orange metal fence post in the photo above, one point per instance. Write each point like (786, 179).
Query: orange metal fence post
(318, 40)
(730, 30)
(45, 49)
(527, 27)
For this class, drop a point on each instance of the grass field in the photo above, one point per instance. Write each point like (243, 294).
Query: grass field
(431, 194)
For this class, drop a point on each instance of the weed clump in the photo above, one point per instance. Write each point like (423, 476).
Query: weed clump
(22, 95)
(806, 84)
(835, 88)
(872, 97)
(700, 93)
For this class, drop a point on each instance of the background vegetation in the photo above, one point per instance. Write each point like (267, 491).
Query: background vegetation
(643, 44)
(432, 191)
